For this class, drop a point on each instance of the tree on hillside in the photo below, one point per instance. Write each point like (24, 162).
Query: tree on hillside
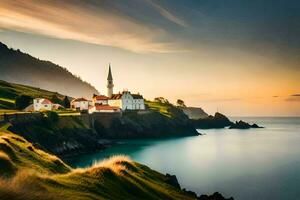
(161, 100)
(180, 103)
(23, 101)
(55, 99)
(66, 102)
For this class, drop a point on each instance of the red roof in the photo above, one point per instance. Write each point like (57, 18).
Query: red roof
(106, 107)
(101, 97)
(116, 96)
(80, 99)
(46, 101)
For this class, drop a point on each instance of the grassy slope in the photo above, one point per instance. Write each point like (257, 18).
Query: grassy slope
(162, 108)
(169, 111)
(9, 91)
(23, 155)
(30, 173)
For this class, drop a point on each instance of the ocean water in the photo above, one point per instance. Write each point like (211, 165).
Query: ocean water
(254, 164)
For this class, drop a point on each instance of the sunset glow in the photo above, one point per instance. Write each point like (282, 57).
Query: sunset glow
(204, 53)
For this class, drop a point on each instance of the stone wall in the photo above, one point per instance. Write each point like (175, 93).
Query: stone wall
(106, 119)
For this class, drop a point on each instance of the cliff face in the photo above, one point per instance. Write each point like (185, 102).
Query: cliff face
(18, 67)
(86, 133)
(147, 124)
(194, 113)
(64, 137)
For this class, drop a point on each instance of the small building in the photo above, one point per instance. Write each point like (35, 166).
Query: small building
(80, 104)
(103, 109)
(100, 100)
(127, 101)
(40, 104)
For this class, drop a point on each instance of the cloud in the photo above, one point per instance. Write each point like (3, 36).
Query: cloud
(168, 15)
(78, 20)
(294, 98)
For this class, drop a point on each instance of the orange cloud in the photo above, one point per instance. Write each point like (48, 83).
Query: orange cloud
(66, 20)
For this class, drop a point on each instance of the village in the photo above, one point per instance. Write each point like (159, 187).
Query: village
(110, 103)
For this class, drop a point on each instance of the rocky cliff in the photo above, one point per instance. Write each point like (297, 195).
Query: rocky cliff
(86, 133)
(194, 112)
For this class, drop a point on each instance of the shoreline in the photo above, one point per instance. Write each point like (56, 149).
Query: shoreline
(112, 143)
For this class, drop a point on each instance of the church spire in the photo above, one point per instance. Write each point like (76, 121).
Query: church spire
(109, 77)
(110, 84)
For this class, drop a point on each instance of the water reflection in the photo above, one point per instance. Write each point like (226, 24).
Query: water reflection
(246, 164)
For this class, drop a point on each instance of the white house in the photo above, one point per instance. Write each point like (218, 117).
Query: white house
(103, 109)
(80, 104)
(127, 101)
(40, 104)
(138, 102)
(100, 100)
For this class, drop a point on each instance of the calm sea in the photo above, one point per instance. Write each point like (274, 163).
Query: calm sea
(253, 164)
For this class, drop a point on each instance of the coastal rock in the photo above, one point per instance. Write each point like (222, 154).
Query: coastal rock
(190, 193)
(243, 125)
(221, 121)
(217, 121)
(172, 180)
(214, 196)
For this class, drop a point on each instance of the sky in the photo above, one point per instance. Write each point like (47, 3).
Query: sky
(241, 58)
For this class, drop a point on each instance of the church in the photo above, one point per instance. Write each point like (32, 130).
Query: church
(124, 100)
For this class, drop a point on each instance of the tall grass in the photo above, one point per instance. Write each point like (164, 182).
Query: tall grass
(116, 164)
(23, 186)
(32, 174)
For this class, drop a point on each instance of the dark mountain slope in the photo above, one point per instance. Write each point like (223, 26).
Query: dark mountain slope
(18, 67)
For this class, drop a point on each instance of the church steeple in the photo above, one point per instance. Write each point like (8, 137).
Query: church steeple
(109, 77)
(110, 84)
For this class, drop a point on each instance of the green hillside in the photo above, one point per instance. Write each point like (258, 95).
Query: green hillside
(9, 92)
(162, 108)
(30, 173)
